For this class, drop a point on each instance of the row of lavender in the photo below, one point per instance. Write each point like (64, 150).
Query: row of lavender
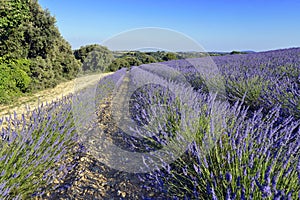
(36, 145)
(265, 79)
(217, 149)
(246, 139)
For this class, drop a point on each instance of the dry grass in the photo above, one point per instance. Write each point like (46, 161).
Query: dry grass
(49, 95)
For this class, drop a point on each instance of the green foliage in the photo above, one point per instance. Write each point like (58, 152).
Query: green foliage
(169, 56)
(250, 89)
(65, 66)
(118, 64)
(42, 74)
(21, 78)
(237, 52)
(133, 61)
(82, 52)
(158, 55)
(141, 56)
(223, 148)
(13, 14)
(94, 57)
(128, 59)
(31, 156)
(136, 58)
(29, 33)
(132, 58)
(14, 78)
(149, 59)
(8, 88)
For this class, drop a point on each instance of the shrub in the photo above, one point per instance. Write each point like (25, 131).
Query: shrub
(117, 64)
(33, 149)
(94, 57)
(14, 78)
(253, 158)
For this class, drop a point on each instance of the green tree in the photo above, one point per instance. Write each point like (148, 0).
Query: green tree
(132, 61)
(94, 57)
(117, 64)
(143, 57)
(14, 78)
(27, 32)
(158, 55)
(14, 14)
(82, 52)
(20, 69)
(169, 56)
(149, 59)
(237, 52)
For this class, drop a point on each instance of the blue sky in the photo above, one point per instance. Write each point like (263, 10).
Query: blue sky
(217, 25)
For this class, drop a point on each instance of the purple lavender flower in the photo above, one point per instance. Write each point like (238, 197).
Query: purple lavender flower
(184, 170)
(228, 177)
(267, 174)
(197, 169)
(3, 158)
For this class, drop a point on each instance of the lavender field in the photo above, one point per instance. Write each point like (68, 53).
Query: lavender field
(230, 133)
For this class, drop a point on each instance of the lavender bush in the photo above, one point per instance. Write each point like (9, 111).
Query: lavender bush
(253, 159)
(262, 79)
(257, 153)
(31, 147)
(35, 146)
(239, 140)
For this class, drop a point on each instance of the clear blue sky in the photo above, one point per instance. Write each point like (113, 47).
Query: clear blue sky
(218, 25)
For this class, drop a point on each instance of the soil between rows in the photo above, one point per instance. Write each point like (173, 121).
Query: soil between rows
(90, 178)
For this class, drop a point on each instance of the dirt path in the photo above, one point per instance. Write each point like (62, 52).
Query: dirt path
(49, 95)
(91, 179)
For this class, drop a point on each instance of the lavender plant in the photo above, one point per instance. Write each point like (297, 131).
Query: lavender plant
(31, 147)
(161, 109)
(257, 154)
(263, 79)
(277, 72)
(244, 148)
(35, 146)
(252, 159)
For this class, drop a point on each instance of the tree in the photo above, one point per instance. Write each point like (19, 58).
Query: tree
(149, 59)
(13, 15)
(45, 42)
(133, 61)
(143, 57)
(27, 32)
(94, 57)
(14, 78)
(169, 56)
(158, 55)
(117, 64)
(237, 52)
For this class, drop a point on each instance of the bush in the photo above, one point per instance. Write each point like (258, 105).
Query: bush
(117, 64)
(251, 89)
(133, 61)
(170, 56)
(253, 158)
(34, 150)
(33, 53)
(14, 78)
(94, 57)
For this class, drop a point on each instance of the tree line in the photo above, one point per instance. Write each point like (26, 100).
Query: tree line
(99, 58)
(34, 55)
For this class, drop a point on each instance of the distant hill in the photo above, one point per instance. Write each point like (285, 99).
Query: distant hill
(249, 51)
